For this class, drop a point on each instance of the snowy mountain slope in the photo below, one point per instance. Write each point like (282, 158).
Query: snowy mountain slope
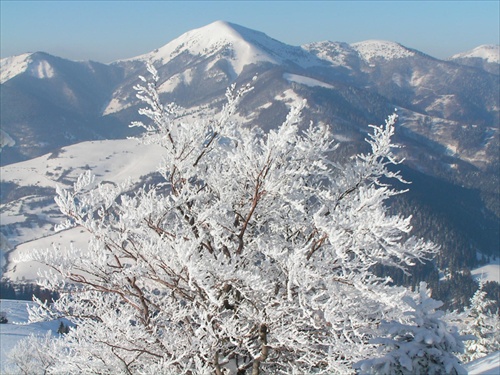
(209, 58)
(114, 160)
(17, 328)
(49, 102)
(487, 52)
(196, 68)
(307, 81)
(236, 44)
(404, 77)
(412, 79)
(76, 238)
(448, 138)
(488, 272)
(369, 51)
(437, 99)
(28, 187)
(334, 53)
(486, 57)
(29, 63)
(14, 65)
(489, 365)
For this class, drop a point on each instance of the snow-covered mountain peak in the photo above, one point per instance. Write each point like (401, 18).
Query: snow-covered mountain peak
(34, 63)
(13, 65)
(219, 39)
(381, 49)
(488, 52)
(238, 45)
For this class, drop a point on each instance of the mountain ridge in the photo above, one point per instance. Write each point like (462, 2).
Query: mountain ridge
(236, 43)
(212, 57)
(222, 34)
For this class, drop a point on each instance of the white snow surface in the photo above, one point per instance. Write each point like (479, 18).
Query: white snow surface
(15, 65)
(335, 53)
(307, 81)
(41, 69)
(5, 140)
(12, 66)
(338, 53)
(489, 272)
(236, 44)
(487, 52)
(290, 97)
(115, 105)
(17, 328)
(371, 49)
(489, 365)
(65, 240)
(185, 77)
(112, 160)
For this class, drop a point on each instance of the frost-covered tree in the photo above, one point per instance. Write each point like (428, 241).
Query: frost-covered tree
(483, 324)
(254, 255)
(426, 346)
(34, 355)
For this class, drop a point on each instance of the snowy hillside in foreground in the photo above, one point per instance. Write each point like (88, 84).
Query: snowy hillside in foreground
(11, 333)
(489, 365)
(17, 329)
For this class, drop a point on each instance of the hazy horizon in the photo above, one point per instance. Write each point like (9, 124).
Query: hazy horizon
(106, 31)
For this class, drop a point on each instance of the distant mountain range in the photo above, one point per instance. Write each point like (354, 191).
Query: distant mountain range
(448, 109)
(49, 102)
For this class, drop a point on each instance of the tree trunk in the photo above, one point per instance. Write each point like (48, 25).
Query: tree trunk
(263, 351)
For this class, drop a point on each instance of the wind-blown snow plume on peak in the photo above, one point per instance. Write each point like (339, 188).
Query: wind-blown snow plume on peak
(487, 52)
(381, 49)
(237, 44)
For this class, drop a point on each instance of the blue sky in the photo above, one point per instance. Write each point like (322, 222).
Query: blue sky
(109, 30)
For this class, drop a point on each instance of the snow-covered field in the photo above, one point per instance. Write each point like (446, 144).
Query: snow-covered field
(114, 160)
(489, 365)
(488, 272)
(74, 237)
(17, 328)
